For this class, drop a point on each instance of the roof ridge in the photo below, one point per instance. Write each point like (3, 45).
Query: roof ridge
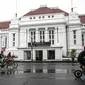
(45, 10)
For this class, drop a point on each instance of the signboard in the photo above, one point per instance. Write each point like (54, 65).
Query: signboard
(37, 44)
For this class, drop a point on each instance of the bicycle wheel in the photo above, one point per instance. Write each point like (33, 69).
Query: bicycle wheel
(78, 73)
(10, 64)
(15, 64)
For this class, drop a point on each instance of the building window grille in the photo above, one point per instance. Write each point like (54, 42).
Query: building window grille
(33, 36)
(4, 41)
(74, 36)
(51, 36)
(51, 54)
(82, 39)
(27, 55)
(13, 39)
(42, 36)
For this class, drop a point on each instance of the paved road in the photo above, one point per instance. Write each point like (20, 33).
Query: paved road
(42, 74)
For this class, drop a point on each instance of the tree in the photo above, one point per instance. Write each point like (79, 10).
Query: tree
(73, 54)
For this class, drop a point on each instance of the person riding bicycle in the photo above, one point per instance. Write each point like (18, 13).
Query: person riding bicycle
(81, 59)
(9, 57)
(2, 56)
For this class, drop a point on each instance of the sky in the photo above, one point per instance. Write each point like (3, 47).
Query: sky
(8, 8)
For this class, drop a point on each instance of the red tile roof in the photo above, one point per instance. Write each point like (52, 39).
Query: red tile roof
(82, 19)
(4, 25)
(45, 10)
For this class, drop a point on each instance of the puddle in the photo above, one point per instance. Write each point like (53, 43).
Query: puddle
(27, 71)
(39, 71)
(51, 70)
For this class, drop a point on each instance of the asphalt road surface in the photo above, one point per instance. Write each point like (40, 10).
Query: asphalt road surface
(41, 74)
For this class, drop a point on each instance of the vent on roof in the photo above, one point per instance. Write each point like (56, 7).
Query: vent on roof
(43, 5)
(32, 9)
(54, 7)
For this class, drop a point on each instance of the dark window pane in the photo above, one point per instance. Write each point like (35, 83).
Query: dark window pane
(74, 36)
(49, 36)
(74, 41)
(52, 41)
(40, 32)
(51, 54)
(34, 33)
(49, 32)
(31, 33)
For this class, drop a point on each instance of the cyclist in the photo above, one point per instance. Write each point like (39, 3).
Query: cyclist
(9, 57)
(81, 59)
(2, 56)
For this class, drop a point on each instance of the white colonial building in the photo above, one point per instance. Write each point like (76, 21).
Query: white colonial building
(43, 34)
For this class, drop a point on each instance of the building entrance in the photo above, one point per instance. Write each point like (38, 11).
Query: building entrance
(39, 55)
(51, 54)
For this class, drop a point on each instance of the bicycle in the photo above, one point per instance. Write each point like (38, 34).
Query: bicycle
(79, 73)
(7, 63)
(11, 62)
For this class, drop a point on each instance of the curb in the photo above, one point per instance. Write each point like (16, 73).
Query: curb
(46, 61)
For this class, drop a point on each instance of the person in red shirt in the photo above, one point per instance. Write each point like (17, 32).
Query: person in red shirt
(9, 57)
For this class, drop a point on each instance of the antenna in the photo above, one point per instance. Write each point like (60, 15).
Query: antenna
(72, 8)
(16, 9)
(71, 5)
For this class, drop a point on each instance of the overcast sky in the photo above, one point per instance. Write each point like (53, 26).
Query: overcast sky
(8, 7)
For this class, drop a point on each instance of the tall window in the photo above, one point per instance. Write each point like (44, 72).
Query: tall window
(27, 55)
(33, 36)
(42, 36)
(57, 36)
(51, 36)
(74, 36)
(82, 39)
(13, 39)
(4, 41)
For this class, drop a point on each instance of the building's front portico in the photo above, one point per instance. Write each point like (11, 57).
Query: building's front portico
(44, 53)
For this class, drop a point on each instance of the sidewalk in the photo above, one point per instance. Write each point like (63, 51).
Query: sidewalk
(27, 61)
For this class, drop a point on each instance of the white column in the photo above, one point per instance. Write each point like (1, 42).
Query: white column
(46, 35)
(56, 37)
(34, 55)
(58, 53)
(37, 35)
(19, 37)
(28, 36)
(45, 54)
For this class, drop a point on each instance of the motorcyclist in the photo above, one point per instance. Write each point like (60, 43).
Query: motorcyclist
(81, 59)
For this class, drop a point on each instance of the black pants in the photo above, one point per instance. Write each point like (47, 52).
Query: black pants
(81, 61)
